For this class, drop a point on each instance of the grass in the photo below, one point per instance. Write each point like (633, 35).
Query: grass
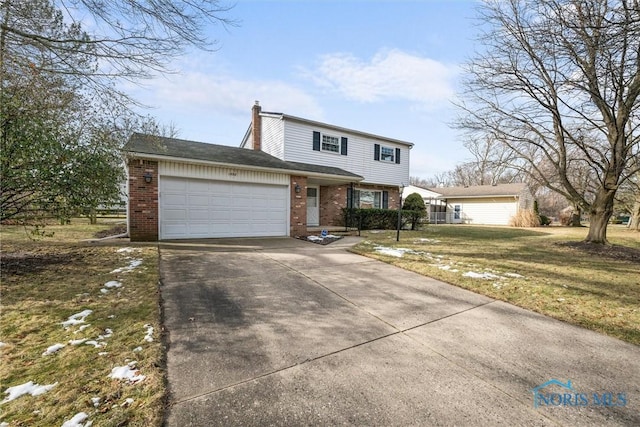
(47, 280)
(598, 291)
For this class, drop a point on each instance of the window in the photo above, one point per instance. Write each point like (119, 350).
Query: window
(330, 143)
(368, 199)
(456, 211)
(387, 154)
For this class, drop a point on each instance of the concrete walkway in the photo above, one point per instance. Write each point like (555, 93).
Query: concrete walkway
(284, 332)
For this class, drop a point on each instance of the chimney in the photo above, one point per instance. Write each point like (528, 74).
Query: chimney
(256, 126)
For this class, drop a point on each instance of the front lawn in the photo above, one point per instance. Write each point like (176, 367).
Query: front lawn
(542, 269)
(79, 330)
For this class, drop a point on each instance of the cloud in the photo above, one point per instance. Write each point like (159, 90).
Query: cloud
(389, 75)
(224, 95)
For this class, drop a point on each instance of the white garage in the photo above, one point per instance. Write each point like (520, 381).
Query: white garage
(202, 208)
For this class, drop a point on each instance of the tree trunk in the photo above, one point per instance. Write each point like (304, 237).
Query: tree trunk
(634, 220)
(599, 215)
(575, 217)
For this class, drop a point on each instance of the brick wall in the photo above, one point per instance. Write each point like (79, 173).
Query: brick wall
(333, 199)
(298, 218)
(143, 201)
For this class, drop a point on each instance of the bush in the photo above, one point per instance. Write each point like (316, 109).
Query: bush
(414, 203)
(525, 218)
(545, 220)
(376, 219)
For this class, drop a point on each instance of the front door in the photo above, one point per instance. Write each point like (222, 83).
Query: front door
(313, 212)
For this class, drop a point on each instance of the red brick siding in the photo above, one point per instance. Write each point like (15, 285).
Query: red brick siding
(143, 201)
(333, 199)
(256, 127)
(298, 218)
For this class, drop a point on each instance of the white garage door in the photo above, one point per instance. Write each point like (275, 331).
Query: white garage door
(196, 208)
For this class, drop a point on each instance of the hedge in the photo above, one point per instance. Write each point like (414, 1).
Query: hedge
(376, 219)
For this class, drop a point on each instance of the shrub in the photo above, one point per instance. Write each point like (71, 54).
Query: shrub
(372, 219)
(525, 218)
(414, 203)
(545, 220)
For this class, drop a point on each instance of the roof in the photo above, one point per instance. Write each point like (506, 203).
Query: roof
(337, 128)
(472, 191)
(222, 154)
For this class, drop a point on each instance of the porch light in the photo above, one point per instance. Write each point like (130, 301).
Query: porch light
(148, 177)
(298, 189)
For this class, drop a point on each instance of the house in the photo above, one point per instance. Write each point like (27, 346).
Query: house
(478, 204)
(288, 174)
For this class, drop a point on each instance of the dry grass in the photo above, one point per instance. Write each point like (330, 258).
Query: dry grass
(525, 218)
(46, 281)
(597, 288)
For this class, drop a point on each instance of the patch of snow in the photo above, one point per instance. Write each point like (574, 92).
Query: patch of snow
(26, 388)
(111, 316)
(4, 424)
(52, 349)
(107, 334)
(127, 402)
(102, 353)
(104, 291)
(497, 285)
(76, 319)
(2, 344)
(113, 284)
(515, 275)
(127, 372)
(133, 264)
(149, 336)
(428, 241)
(332, 236)
(77, 420)
(128, 250)
(137, 349)
(96, 344)
(96, 401)
(560, 299)
(485, 275)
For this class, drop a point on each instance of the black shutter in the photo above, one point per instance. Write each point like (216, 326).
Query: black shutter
(316, 141)
(385, 200)
(376, 151)
(343, 146)
(349, 197)
(398, 155)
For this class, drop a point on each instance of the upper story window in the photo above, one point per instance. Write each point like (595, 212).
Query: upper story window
(387, 154)
(383, 153)
(330, 143)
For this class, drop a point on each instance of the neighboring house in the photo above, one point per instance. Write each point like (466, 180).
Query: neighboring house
(478, 204)
(289, 174)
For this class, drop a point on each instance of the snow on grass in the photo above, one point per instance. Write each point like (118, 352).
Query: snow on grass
(96, 344)
(427, 241)
(514, 275)
(396, 252)
(77, 421)
(112, 284)
(137, 349)
(128, 250)
(133, 264)
(76, 319)
(95, 401)
(52, 349)
(2, 344)
(149, 336)
(127, 372)
(485, 276)
(26, 388)
(314, 238)
(127, 402)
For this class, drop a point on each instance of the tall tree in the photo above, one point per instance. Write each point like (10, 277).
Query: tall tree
(558, 83)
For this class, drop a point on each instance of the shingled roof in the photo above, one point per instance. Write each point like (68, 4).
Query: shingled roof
(184, 149)
(499, 190)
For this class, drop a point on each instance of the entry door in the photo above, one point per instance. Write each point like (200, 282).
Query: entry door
(457, 214)
(313, 211)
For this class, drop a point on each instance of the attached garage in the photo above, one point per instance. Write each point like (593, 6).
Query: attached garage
(199, 208)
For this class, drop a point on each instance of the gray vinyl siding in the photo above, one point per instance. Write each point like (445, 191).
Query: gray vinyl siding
(298, 147)
(272, 136)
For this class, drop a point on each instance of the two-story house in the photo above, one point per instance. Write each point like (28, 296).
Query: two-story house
(288, 174)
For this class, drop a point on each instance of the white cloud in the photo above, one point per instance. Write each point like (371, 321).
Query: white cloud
(224, 95)
(388, 75)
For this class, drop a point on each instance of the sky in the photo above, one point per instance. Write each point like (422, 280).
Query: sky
(391, 68)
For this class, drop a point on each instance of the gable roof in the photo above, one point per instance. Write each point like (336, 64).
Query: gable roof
(334, 127)
(499, 190)
(163, 147)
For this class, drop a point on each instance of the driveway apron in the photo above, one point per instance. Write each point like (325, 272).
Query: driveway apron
(285, 332)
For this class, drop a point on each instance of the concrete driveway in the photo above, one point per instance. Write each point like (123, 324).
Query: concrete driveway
(285, 332)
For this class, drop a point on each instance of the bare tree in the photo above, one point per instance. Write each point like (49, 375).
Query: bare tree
(558, 83)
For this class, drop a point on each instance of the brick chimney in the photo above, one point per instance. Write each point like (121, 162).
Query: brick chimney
(256, 125)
